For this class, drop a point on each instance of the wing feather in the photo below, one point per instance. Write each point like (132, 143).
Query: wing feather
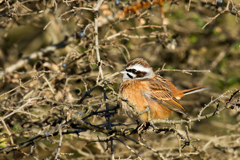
(161, 93)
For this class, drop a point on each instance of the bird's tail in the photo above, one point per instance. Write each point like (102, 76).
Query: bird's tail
(193, 90)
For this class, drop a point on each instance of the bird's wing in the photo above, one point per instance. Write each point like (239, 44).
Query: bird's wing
(161, 93)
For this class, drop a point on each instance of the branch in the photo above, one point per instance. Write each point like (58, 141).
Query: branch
(226, 106)
(187, 71)
(99, 3)
(43, 52)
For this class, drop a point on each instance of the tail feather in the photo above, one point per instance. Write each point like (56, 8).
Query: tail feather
(194, 90)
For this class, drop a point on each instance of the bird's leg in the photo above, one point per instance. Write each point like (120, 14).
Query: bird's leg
(149, 122)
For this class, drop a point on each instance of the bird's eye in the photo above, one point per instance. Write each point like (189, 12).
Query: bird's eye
(131, 70)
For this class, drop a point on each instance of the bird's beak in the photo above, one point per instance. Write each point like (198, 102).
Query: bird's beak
(123, 71)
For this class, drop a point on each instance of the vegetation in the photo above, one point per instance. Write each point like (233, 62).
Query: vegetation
(59, 84)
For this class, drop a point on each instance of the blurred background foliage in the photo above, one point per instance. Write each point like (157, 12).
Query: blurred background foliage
(192, 35)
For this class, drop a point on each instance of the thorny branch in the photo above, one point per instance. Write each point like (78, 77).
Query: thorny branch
(106, 128)
(96, 12)
(227, 8)
(187, 71)
(76, 117)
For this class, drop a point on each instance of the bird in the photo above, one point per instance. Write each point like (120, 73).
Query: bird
(143, 88)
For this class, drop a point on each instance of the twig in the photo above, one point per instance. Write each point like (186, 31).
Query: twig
(226, 106)
(52, 132)
(99, 3)
(152, 149)
(158, 130)
(43, 52)
(108, 116)
(9, 133)
(31, 152)
(128, 54)
(128, 147)
(60, 141)
(219, 138)
(87, 93)
(154, 35)
(21, 107)
(34, 78)
(187, 71)
(65, 13)
(219, 97)
(189, 4)
(130, 29)
(50, 86)
(111, 132)
(225, 10)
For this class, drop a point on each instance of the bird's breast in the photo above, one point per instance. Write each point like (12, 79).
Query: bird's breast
(133, 92)
(136, 93)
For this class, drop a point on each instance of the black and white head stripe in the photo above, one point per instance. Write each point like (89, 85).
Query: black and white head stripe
(129, 75)
(138, 74)
(137, 71)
